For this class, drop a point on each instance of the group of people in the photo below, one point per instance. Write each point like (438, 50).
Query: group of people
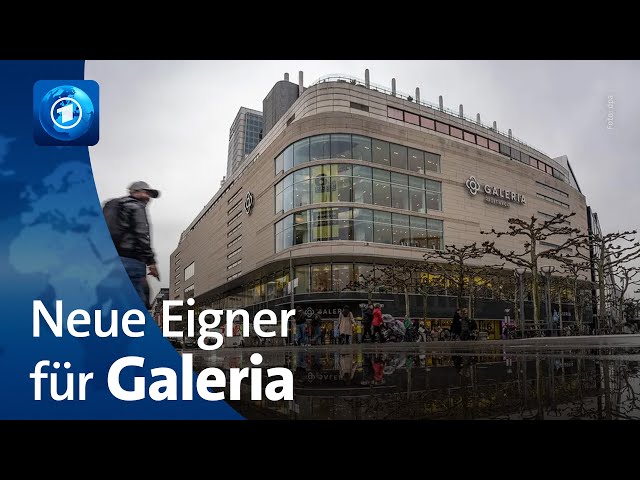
(345, 329)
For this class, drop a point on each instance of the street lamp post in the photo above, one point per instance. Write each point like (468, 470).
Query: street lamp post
(519, 273)
(547, 270)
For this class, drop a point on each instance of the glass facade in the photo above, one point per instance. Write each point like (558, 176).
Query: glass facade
(252, 132)
(358, 224)
(359, 184)
(356, 147)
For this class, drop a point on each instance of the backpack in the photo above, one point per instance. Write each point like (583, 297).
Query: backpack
(112, 211)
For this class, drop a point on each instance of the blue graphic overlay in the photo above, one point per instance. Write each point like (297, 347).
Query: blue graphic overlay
(55, 249)
(65, 112)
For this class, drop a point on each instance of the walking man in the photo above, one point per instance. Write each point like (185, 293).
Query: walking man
(128, 225)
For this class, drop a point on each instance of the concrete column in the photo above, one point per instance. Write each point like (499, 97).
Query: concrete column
(366, 78)
(300, 83)
(393, 87)
(417, 95)
(440, 102)
(461, 111)
(286, 77)
(478, 118)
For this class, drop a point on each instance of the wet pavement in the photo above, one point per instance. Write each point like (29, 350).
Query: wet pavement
(540, 378)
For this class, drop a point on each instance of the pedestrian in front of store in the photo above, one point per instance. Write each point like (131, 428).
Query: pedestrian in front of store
(316, 321)
(456, 325)
(367, 318)
(464, 335)
(336, 332)
(377, 324)
(346, 322)
(301, 326)
(358, 331)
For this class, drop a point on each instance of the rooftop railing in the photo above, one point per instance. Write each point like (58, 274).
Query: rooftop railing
(376, 87)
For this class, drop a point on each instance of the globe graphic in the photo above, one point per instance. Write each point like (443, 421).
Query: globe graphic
(66, 112)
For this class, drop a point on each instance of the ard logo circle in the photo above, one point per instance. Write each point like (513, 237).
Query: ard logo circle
(248, 203)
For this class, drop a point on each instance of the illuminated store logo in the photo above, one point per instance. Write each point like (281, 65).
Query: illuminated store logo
(496, 195)
(248, 203)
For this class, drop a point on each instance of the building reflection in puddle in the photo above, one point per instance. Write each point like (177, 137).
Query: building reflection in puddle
(580, 384)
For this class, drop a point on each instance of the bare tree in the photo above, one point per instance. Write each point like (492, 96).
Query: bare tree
(400, 277)
(625, 277)
(607, 252)
(575, 270)
(453, 264)
(533, 232)
(430, 283)
(369, 282)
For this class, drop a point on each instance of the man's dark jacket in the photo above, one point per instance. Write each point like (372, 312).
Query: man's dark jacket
(136, 239)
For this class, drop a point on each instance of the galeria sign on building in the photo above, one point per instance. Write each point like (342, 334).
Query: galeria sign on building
(496, 195)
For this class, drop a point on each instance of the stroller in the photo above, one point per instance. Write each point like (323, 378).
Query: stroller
(393, 330)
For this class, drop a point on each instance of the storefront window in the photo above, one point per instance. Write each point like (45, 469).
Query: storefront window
(363, 225)
(382, 227)
(282, 279)
(301, 193)
(287, 193)
(320, 278)
(288, 231)
(362, 186)
(362, 272)
(301, 151)
(359, 224)
(288, 158)
(361, 148)
(279, 197)
(434, 197)
(301, 228)
(401, 234)
(340, 145)
(432, 162)
(341, 176)
(417, 200)
(399, 191)
(344, 224)
(342, 276)
(320, 147)
(323, 225)
(381, 187)
(418, 232)
(301, 272)
(271, 287)
(434, 233)
(416, 160)
(398, 156)
(321, 184)
(380, 152)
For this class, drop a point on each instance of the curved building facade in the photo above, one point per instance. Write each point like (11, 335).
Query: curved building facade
(351, 177)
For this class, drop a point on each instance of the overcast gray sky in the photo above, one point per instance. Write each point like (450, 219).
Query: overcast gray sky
(167, 122)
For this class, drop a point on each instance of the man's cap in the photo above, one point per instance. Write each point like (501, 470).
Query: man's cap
(138, 186)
